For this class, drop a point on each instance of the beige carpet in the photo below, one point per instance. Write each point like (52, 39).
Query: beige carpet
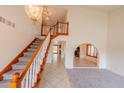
(94, 78)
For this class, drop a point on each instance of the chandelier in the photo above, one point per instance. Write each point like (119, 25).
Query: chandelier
(36, 13)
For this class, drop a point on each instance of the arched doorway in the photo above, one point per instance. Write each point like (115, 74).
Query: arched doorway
(86, 55)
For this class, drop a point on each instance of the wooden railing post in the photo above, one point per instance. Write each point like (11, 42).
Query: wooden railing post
(15, 83)
(41, 29)
(67, 32)
(1, 77)
(57, 27)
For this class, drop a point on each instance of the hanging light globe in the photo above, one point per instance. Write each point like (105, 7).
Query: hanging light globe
(34, 12)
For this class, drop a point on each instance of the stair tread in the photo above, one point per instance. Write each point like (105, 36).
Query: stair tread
(34, 46)
(38, 40)
(4, 83)
(28, 53)
(19, 66)
(20, 63)
(36, 43)
(31, 49)
(8, 75)
(24, 58)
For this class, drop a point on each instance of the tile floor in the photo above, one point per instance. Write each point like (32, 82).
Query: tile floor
(55, 75)
(81, 62)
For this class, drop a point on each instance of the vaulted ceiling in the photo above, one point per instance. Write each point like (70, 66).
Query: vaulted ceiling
(106, 8)
(57, 13)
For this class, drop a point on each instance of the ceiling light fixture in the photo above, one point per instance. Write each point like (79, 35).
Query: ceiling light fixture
(35, 13)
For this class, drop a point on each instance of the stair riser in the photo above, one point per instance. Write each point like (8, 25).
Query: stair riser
(24, 60)
(38, 41)
(18, 66)
(21, 63)
(5, 84)
(31, 50)
(28, 52)
(33, 47)
(28, 55)
(8, 76)
(35, 44)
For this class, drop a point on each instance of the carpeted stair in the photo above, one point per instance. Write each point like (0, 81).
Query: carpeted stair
(20, 65)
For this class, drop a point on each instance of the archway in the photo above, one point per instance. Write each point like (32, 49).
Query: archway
(86, 55)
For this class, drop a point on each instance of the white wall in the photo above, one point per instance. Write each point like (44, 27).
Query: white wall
(86, 26)
(13, 40)
(82, 50)
(115, 57)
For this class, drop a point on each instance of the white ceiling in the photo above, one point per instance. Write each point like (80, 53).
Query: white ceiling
(103, 7)
(59, 12)
(56, 13)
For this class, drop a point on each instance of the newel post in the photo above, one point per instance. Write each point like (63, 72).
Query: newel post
(15, 83)
(1, 77)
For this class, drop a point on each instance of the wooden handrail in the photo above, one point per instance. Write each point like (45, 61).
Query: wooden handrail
(42, 66)
(15, 60)
(18, 79)
(31, 60)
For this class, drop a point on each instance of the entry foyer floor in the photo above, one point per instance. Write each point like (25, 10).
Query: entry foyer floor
(56, 76)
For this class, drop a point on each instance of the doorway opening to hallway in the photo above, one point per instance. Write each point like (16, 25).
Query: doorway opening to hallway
(58, 52)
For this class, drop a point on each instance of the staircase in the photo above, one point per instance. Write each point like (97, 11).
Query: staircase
(20, 65)
(25, 70)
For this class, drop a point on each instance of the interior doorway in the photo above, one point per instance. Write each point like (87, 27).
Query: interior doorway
(58, 52)
(86, 55)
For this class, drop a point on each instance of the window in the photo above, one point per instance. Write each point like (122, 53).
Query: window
(91, 51)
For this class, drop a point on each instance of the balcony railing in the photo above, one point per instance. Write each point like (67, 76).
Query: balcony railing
(60, 28)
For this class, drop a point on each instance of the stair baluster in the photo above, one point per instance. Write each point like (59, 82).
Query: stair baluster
(30, 79)
(28, 66)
